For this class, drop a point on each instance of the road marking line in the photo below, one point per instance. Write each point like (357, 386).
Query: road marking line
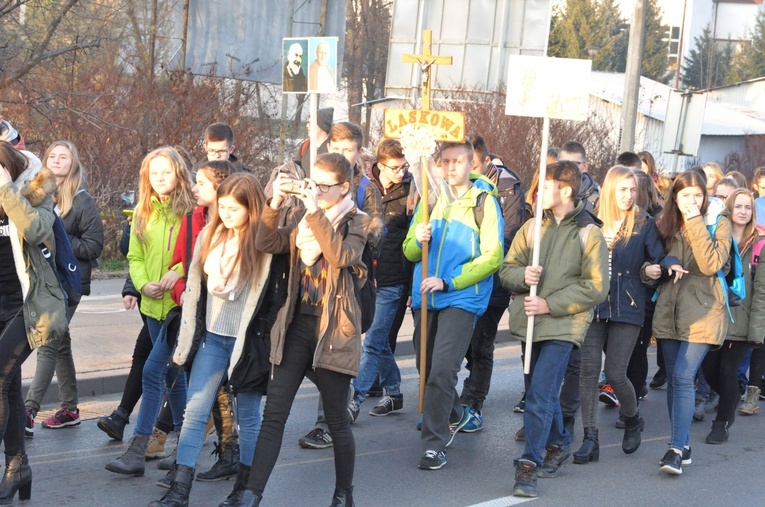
(503, 502)
(101, 298)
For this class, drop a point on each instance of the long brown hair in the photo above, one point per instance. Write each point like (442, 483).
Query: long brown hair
(14, 161)
(246, 190)
(750, 230)
(182, 200)
(72, 182)
(672, 220)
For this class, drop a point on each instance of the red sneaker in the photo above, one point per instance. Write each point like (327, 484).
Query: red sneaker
(62, 418)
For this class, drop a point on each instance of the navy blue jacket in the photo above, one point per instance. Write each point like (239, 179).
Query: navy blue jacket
(626, 299)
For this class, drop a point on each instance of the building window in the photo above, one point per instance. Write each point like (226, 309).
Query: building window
(673, 46)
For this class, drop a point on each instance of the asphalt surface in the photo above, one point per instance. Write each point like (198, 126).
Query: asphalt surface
(68, 464)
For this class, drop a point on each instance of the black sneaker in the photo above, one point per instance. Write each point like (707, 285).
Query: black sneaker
(432, 460)
(521, 405)
(114, 424)
(388, 404)
(659, 380)
(317, 438)
(672, 463)
(608, 396)
(687, 455)
(643, 393)
(555, 457)
(520, 436)
(525, 479)
(29, 427)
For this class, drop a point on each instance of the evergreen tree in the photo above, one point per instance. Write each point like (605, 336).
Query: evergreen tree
(655, 49)
(573, 29)
(750, 63)
(612, 38)
(708, 63)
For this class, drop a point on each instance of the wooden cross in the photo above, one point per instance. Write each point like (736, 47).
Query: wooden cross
(426, 60)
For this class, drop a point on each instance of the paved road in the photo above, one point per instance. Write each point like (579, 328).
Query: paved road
(68, 464)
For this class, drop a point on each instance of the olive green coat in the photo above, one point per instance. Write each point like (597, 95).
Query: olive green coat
(743, 328)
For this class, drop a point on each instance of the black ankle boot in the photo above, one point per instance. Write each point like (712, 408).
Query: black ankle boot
(239, 486)
(590, 450)
(632, 433)
(249, 499)
(719, 433)
(180, 487)
(17, 477)
(343, 498)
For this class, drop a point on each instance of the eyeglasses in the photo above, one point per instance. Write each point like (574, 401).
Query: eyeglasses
(219, 153)
(395, 168)
(325, 188)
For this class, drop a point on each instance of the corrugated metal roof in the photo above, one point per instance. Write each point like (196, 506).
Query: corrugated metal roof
(720, 119)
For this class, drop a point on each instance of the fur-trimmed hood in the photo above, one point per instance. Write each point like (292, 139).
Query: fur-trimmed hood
(35, 183)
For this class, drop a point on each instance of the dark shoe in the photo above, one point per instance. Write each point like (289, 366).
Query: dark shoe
(114, 425)
(698, 411)
(711, 405)
(388, 405)
(343, 498)
(620, 424)
(687, 455)
(555, 457)
(590, 450)
(568, 424)
(239, 487)
(719, 433)
(432, 460)
(521, 405)
(167, 480)
(29, 427)
(520, 435)
(659, 380)
(180, 487)
(249, 499)
(353, 411)
(169, 462)
(226, 466)
(672, 463)
(317, 438)
(17, 477)
(632, 434)
(525, 479)
(455, 428)
(133, 462)
(643, 393)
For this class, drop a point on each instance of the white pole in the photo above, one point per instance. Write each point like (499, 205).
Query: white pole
(312, 145)
(537, 239)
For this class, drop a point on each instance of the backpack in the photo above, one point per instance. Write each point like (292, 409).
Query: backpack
(361, 191)
(65, 264)
(756, 251)
(366, 295)
(733, 284)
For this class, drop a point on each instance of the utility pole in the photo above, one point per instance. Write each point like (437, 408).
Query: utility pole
(632, 77)
(184, 34)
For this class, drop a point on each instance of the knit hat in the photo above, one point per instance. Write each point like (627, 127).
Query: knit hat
(324, 118)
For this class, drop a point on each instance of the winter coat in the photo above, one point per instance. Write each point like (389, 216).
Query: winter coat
(339, 341)
(589, 192)
(150, 259)
(86, 234)
(373, 207)
(192, 323)
(757, 315)
(179, 253)
(392, 268)
(693, 309)
(28, 203)
(460, 253)
(574, 279)
(740, 329)
(626, 300)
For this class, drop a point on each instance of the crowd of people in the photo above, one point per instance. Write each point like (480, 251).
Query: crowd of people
(246, 289)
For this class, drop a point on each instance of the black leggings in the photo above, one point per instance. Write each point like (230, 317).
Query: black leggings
(720, 368)
(14, 350)
(297, 359)
(134, 384)
(757, 367)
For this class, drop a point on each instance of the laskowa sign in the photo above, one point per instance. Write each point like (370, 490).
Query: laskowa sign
(446, 125)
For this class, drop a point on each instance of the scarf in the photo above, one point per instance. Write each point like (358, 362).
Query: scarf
(310, 251)
(222, 269)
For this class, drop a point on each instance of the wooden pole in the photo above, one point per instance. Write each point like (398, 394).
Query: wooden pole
(312, 144)
(537, 239)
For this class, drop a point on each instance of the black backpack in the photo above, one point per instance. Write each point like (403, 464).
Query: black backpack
(65, 264)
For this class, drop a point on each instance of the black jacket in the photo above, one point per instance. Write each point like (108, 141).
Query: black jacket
(86, 234)
(626, 301)
(392, 268)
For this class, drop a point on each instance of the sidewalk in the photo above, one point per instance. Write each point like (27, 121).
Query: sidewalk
(104, 333)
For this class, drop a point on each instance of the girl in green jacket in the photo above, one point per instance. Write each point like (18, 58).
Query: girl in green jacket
(165, 197)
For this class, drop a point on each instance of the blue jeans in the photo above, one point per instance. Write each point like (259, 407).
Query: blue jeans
(207, 374)
(682, 361)
(542, 417)
(155, 372)
(376, 353)
(248, 420)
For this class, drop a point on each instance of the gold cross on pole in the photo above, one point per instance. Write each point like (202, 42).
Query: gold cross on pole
(426, 60)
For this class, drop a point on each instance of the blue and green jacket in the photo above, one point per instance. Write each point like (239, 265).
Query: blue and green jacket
(463, 254)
